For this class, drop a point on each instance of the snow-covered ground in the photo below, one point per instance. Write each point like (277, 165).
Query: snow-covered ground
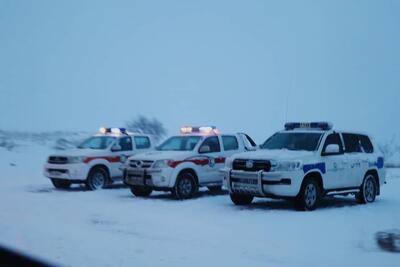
(113, 228)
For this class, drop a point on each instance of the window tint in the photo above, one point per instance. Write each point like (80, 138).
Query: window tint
(213, 143)
(180, 143)
(352, 143)
(142, 142)
(333, 139)
(230, 143)
(125, 143)
(366, 144)
(293, 141)
(97, 142)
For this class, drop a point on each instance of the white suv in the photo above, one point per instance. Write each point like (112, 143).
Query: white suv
(305, 162)
(98, 160)
(185, 162)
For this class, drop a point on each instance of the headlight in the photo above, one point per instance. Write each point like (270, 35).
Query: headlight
(76, 159)
(159, 164)
(286, 166)
(228, 163)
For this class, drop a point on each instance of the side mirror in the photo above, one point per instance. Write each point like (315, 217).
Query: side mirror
(332, 149)
(116, 147)
(204, 149)
(252, 148)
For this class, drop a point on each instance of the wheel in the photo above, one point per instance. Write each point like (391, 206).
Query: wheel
(368, 190)
(58, 183)
(141, 191)
(309, 195)
(185, 186)
(97, 179)
(241, 200)
(215, 189)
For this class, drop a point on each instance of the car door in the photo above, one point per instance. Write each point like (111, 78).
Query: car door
(335, 163)
(125, 150)
(210, 149)
(230, 145)
(248, 143)
(357, 159)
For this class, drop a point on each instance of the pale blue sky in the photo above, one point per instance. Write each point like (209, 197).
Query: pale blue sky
(78, 65)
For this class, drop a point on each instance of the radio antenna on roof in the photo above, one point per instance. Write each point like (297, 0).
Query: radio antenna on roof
(287, 98)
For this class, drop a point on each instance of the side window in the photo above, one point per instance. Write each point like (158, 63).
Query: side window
(333, 139)
(210, 145)
(248, 142)
(351, 143)
(142, 142)
(230, 143)
(125, 143)
(366, 144)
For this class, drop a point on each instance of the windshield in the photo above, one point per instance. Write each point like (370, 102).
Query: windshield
(97, 142)
(180, 143)
(293, 141)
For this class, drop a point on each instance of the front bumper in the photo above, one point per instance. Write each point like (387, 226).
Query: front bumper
(263, 184)
(78, 171)
(156, 178)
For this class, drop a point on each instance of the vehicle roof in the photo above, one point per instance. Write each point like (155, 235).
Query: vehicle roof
(322, 131)
(121, 135)
(305, 131)
(206, 135)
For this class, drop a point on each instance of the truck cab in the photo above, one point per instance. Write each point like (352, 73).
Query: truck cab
(185, 162)
(97, 161)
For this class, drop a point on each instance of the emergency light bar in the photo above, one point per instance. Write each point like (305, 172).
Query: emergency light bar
(104, 130)
(201, 130)
(325, 126)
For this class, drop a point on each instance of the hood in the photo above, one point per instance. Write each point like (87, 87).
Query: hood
(162, 155)
(277, 155)
(76, 152)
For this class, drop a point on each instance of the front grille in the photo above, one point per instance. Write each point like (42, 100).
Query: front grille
(145, 164)
(244, 181)
(57, 160)
(251, 165)
(57, 170)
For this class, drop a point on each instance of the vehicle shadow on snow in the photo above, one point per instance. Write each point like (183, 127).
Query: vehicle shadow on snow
(167, 196)
(73, 188)
(326, 203)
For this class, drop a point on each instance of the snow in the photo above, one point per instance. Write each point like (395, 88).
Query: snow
(113, 228)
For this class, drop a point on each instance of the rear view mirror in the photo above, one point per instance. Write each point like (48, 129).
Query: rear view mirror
(252, 148)
(204, 149)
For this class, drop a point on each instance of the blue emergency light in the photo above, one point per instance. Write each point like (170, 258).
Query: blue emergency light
(325, 126)
(105, 130)
(202, 130)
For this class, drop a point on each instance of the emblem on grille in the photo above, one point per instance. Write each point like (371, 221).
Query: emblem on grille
(136, 163)
(249, 164)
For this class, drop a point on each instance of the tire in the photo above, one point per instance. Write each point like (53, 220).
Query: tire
(368, 190)
(61, 184)
(215, 189)
(185, 186)
(141, 191)
(309, 196)
(241, 200)
(97, 179)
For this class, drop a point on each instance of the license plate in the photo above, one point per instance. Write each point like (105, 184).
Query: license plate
(135, 180)
(245, 186)
(56, 173)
